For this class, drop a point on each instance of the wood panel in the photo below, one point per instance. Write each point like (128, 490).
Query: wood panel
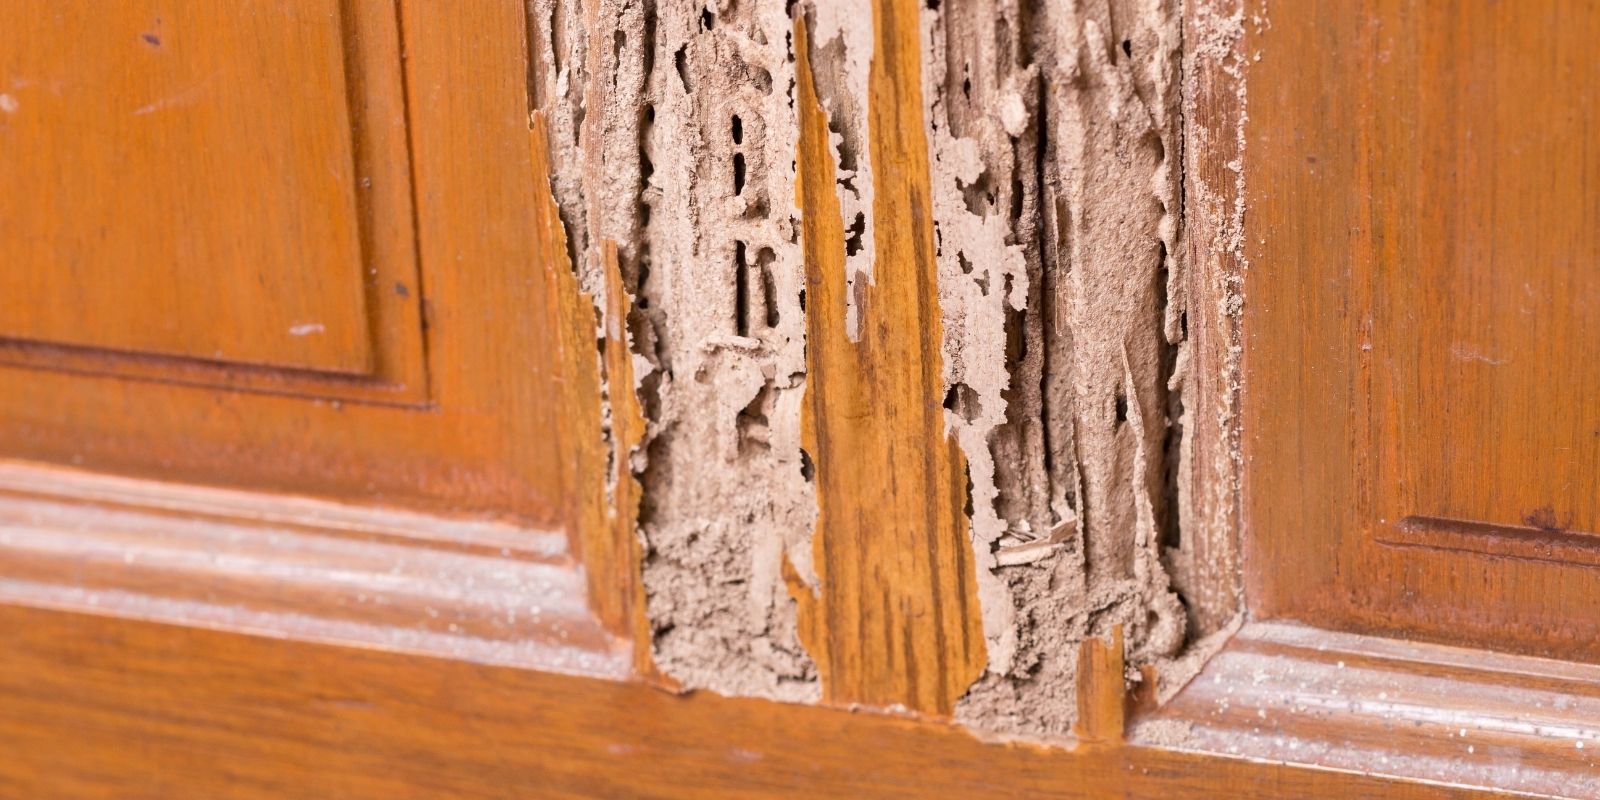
(98, 707)
(1423, 321)
(235, 190)
(476, 432)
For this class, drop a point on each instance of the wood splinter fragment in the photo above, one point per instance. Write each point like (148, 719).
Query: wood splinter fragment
(1102, 690)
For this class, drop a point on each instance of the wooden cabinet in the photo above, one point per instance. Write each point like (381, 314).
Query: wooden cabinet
(302, 495)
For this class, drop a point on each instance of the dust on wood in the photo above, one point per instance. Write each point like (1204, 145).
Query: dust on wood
(603, 507)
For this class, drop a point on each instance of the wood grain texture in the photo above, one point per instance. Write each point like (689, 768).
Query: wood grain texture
(894, 618)
(1102, 690)
(1423, 319)
(211, 219)
(1213, 217)
(473, 435)
(601, 493)
(94, 707)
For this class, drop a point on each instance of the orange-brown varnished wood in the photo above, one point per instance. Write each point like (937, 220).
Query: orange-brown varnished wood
(1102, 690)
(475, 432)
(203, 203)
(94, 707)
(233, 205)
(1422, 430)
(894, 618)
(601, 498)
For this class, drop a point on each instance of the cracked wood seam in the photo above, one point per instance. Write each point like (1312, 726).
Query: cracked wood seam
(895, 619)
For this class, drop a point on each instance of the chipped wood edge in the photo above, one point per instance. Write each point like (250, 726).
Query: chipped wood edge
(1102, 690)
(603, 507)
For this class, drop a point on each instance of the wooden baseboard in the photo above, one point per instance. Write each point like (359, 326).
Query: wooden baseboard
(1288, 693)
(297, 568)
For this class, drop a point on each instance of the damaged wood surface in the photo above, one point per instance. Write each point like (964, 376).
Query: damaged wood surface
(1021, 165)
(893, 616)
(1214, 102)
(601, 505)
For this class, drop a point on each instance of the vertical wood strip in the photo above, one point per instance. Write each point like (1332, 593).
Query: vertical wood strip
(1214, 108)
(1102, 689)
(894, 619)
(603, 519)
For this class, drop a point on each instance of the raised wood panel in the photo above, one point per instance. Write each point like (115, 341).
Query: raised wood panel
(1486, 319)
(464, 425)
(1422, 434)
(229, 192)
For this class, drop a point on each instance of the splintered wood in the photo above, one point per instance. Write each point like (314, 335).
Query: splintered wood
(894, 618)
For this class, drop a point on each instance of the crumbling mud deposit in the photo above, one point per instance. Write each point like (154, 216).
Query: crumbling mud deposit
(1056, 187)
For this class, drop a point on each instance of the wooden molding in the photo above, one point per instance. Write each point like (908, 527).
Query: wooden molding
(1282, 692)
(298, 568)
(96, 707)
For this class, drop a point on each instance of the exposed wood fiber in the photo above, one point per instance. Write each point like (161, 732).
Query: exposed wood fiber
(892, 614)
(993, 224)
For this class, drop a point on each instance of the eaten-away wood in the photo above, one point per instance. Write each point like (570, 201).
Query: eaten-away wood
(602, 506)
(894, 618)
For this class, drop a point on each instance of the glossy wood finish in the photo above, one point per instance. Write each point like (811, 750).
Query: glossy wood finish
(476, 433)
(96, 707)
(1282, 692)
(234, 201)
(1422, 437)
(894, 619)
(185, 115)
(301, 568)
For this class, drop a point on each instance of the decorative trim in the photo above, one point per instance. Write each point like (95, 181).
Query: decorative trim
(1292, 694)
(298, 568)
(1551, 544)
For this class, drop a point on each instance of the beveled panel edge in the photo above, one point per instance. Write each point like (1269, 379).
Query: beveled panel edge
(1289, 693)
(1547, 541)
(298, 568)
